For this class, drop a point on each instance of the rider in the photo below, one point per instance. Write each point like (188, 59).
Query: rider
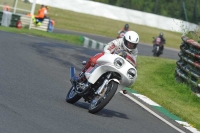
(163, 41)
(125, 29)
(128, 43)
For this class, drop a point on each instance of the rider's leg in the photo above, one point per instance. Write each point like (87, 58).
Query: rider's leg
(162, 48)
(91, 62)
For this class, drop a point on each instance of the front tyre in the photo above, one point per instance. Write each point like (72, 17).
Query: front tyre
(99, 102)
(72, 96)
(156, 51)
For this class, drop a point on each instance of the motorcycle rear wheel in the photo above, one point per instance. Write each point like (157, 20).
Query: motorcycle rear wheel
(98, 102)
(72, 96)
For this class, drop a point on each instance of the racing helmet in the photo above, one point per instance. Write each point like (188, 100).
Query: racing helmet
(131, 40)
(126, 27)
(161, 34)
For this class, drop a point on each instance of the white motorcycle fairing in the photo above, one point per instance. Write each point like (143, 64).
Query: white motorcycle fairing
(106, 64)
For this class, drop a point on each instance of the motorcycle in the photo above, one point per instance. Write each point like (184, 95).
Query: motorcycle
(112, 73)
(157, 44)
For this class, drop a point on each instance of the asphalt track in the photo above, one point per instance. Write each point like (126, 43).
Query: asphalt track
(34, 81)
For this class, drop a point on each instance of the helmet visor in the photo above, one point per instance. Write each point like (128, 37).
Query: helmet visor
(130, 45)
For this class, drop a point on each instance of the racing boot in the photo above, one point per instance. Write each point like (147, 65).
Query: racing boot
(81, 77)
(75, 80)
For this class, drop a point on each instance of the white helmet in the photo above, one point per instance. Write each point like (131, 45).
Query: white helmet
(131, 39)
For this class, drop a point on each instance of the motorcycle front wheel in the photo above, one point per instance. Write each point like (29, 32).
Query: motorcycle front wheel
(99, 102)
(156, 51)
(72, 96)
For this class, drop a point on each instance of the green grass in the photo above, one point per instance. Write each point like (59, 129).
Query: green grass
(155, 75)
(194, 35)
(156, 80)
(107, 27)
(74, 39)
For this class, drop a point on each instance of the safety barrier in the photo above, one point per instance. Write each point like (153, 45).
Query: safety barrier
(43, 26)
(1, 15)
(9, 19)
(188, 66)
(14, 20)
(25, 20)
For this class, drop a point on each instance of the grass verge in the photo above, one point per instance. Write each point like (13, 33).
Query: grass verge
(156, 80)
(74, 39)
(70, 20)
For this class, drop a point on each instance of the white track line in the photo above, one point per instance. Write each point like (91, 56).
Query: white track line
(153, 113)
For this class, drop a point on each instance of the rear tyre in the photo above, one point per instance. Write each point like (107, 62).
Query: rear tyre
(72, 96)
(98, 102)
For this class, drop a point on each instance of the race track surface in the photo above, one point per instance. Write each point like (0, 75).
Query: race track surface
(34, 81)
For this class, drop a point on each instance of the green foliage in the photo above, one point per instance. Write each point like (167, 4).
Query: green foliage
(195, 35)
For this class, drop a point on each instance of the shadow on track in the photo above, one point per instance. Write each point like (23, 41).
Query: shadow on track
(104, 112)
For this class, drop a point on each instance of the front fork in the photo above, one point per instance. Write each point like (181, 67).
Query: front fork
(103, 88)
(157, 48)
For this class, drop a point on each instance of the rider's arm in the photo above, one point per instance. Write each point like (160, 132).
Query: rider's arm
(163, 40)
(134, 54)
(112, 46)
(119, 31)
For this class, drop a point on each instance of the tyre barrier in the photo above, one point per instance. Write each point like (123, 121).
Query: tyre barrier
(9, 19)
(188, 66)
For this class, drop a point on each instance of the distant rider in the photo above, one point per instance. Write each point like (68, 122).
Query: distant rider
(123, 31)
(162, 40)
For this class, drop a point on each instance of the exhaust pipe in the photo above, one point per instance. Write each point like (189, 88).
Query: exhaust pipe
(72, 75)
